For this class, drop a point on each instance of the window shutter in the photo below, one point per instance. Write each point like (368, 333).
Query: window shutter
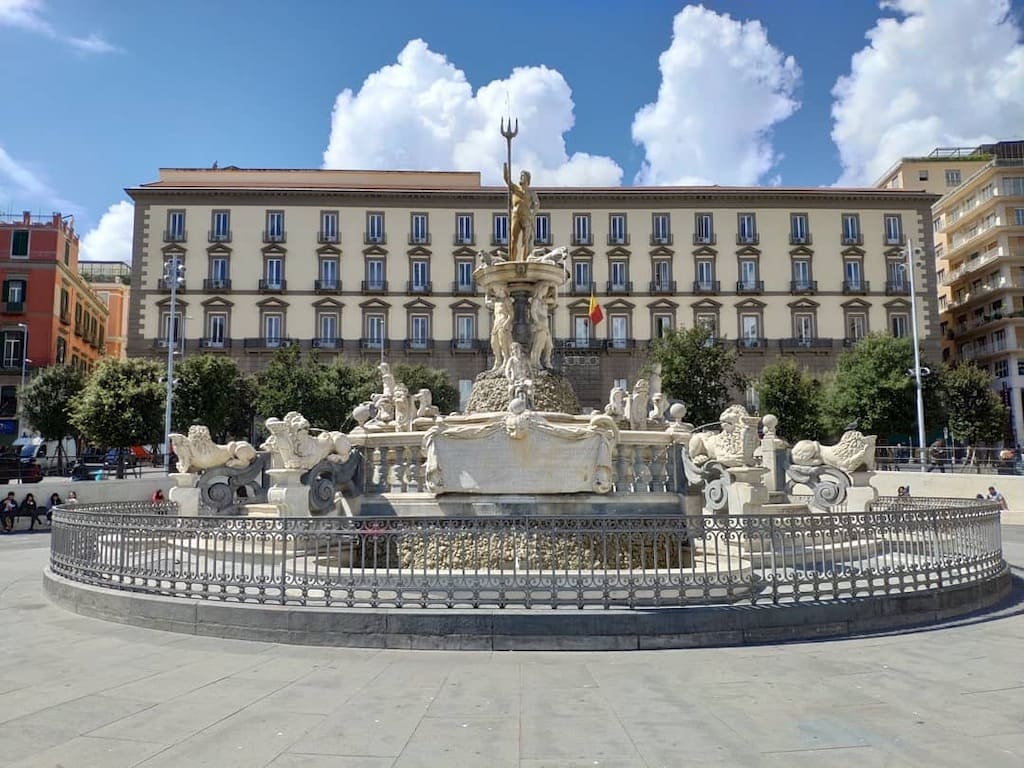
(7, 289)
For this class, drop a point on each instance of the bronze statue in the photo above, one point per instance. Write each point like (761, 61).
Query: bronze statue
(524, 207)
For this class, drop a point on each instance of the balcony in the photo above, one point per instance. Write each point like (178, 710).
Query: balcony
(221, 236)
(752, 343)
(592, 345)
(14, 307)
(463, 240)
(374, 238)
(661, 240)
(328, 237)
(542, 240)
(273, 286)
(419, 288)
(897, 288)
(464, 289)
(707, 286)
(977, 263)
(582, 289)
(327, 286)
(374, 286)
(798, 239)
(495, 240)
(419, 345)
(327, 342)
(164, 343)
(662, 286)
(267, 342)
(374, 343)
(466, 345)
(618, 289)
(620, 345)
(213, 284)
(214, 343)
(175, 235)
(618, 240)
(579, 238)
(419, 239)
(753, 239)
(805, 343)
(851, 341)
(706, 239)
(163, 284)
(274, 237)
(856, 287)
(803, 286)
(848, 238)
(750, 286)
(899, 239)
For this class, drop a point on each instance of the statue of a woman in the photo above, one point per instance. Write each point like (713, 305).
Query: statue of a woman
(501, 331)
(542, 346)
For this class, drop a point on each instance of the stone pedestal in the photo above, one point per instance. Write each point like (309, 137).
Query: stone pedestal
(287, 493)
(860, 496)
(184, 493)
(747, 492)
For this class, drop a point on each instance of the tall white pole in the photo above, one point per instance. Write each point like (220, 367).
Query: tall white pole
(917, 353)
(24, 359)
(173, 268)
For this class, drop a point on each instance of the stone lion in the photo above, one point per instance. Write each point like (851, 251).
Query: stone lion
(725, 446)
(853, 451)
(198, 451)
(294, 447)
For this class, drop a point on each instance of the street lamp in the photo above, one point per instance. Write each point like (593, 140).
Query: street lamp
(24, 351)
(917, 371)
(174, 276)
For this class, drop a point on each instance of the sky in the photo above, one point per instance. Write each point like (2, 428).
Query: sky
(102, 93)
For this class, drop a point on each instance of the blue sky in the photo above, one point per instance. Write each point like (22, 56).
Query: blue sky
(108, 92)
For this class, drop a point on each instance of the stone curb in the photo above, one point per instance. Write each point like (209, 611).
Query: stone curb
(519, 629)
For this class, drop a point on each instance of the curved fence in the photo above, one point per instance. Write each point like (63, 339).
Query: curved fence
(903, 545)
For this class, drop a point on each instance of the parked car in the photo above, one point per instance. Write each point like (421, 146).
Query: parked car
(44, 452)
(13, 468)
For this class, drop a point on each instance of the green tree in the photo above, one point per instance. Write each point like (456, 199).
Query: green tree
(789, 393)
(46, 404)
(975, 412)
(872, 384)
(417, 377)
(698, 371)
(210, 390)
(324, 394)
(121, 404)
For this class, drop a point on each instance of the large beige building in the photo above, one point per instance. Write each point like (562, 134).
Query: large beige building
(365, 263)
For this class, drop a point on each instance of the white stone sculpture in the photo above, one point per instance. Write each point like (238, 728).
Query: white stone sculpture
(198, 451)
(490, 258)
(854, 451)
(659, 405)
(294, 447)
(617, 405)
(405, 408)
(425, 409)
(654, 380)
(725, 446)
(556, 256)
(542, 346)
(639, 399)
(500, 302)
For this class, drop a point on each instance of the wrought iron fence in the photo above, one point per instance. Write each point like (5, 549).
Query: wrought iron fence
(904, 545)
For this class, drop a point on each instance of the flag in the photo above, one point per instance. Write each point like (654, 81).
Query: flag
(594, 311)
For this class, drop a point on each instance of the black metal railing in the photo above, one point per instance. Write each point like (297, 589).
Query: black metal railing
(856, 286)
(419, 287)
(327, 286)
(273, 286)
(809, 343)
(614, 240)
(419, 345)
(803, 286)
(582, 289)
(327, 342)
(267, 342)
(216, 284)
(662, 286)
(221, 236)
(752, 343)
(274, 237)
(212, 342)
(897, 288)
(374, 286)
(707, 286)
(464, 288)
(624, 287)
(750, 286)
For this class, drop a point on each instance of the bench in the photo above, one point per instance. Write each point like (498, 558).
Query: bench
(38, 516)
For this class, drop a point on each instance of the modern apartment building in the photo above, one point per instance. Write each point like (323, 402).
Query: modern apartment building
(381, 263)
(111, 280)
(48, 312)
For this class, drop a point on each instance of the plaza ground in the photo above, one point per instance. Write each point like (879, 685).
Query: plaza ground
(82, 692)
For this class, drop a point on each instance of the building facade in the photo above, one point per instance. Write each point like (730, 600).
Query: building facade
(48, 313)
(111, 280)
(367, 264)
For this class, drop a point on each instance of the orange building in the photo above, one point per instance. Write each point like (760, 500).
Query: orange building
(112, 282)
(46, 306)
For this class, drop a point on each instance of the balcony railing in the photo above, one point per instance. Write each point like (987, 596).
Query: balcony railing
(704, 239)
(587, 344)
(795, 239)
(582, 289)
(374, 286)
(581, 239)
(799, 343)
(464, 240)
(466, 345)
(164, 343)
(856, 287)
(274, 237)
(542, 240)
(273, 286)
(374, 238)
(464, 288)
(851, 239)
(495, 240)
(327, 286)
(618, 239)
(897, 288)
(373, 343)
(661, 240)
(899, 239)
(14, 307)
(977, 263)
(753, 239)
(215, 342)
(327, 342)
(620, 345)
(216, 284)
(803, 286)
(750, 286)
(215, 236)
(419, 288)
(268, 342)
(419, 345)
(663, 286)
(752, 343)
(619, 289)
(175, 235)
(164, 284)
(419, 239)
(707, 286)
(851, 341)
(328, 237)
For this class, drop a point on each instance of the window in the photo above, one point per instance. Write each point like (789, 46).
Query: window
(1013, 186)
(328, 275)
(798, 229)
(273, 329)
(802, 275)
(581, 229)
(328, 227)
(419, 327)
(746, 228)
(617, 229)
(1020, 367)
(465, 391)
(62, 350)
(619, 273)
(465, 331)
(704, 229)
(856, 326)
(897, 275)
(328, 328)
(218, 272)
(803, 326)
(170, 334)
(851, 228)
(374, 227)
(705, 274)
(14, 292)
(937, 224)
(65, 303)
(952, 177)
(662, 325)
(420, 269)
(216, 330)
(581, 330)
(375, 274)
(175, 226)
(899, 325)
(221, 231)
(12, 350)
(893, 229)
(748, 275)
(1001, 369)
(273, 274)
(499, 229)
(464, 229)
(67, 253)
(662, 275)
(542, 229)
(999, 339)
(708, 320)
(621, 383)
(374, 330)
(750, 330)
(620, 331)
(19, 243)
(852, 275)
(1018, 217)
(922, 175)
(420, 235)
(661, 231)
(464, 276)
(581, 276)
(275, 227)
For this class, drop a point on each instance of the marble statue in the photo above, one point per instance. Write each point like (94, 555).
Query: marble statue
(425, 409)
(853, 452)
(616, 407)
(517, 372)
(294, 447)
(542, 345)
(556, 256)
(525, 205)
(490, 258)
(659, 405)
(405, 409)
(198, 451)
(500, 302)
(726, 446)
(638, 402)
(654, 380)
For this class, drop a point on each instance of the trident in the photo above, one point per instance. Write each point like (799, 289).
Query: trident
(509, 134)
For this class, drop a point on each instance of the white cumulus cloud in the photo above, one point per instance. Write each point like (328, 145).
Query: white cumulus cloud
(31, 15)
(723, 87)
(111, 239)
(421, 113)
(22, 189)
(944, 73)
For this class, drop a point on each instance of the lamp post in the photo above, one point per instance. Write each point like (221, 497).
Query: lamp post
(174, 275)
(24, 360)
(918, 371)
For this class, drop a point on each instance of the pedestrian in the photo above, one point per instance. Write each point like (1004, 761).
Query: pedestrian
(936, 456)
(72, 497)
(7, 509)
(996, 496)
(29, 508)
(55, 501)
(158, 496)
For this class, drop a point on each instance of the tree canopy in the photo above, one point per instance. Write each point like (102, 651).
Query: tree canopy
(976, 413)
(210, 390)
(47, 400)
(121, 404)
(790, 393)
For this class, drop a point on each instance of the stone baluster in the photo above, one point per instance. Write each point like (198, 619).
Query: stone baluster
(659, 469)
(411, 461)
(623, 475)
(395, 471)
(641, 469)
(380, 468)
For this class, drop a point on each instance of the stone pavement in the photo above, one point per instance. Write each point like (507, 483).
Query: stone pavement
(82, 692)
